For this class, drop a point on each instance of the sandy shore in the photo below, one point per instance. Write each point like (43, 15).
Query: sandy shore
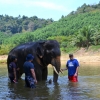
(82, 59)
(83, 56)
(3, 57)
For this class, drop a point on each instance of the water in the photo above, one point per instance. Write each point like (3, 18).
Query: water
(88, 87)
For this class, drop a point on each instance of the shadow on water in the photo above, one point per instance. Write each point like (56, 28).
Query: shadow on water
(88, 87)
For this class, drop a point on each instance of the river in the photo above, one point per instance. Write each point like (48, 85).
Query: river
(88, 87)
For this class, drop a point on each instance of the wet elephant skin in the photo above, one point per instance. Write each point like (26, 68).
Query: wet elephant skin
(45, 52)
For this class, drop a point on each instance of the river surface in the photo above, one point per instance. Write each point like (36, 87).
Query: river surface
(88, 87)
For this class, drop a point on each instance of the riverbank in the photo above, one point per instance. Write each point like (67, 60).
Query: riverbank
(3, 59)
(82, 55)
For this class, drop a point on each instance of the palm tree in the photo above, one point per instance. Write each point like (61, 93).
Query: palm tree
(84, 36)
(96, 37)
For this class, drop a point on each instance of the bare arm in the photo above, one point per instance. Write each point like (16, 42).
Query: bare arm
(18, 69)
(63, 69)
(33, 74)
(77, 69)
(76, 73)
(14, 69)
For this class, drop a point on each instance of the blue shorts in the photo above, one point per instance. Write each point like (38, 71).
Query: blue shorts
(29, 82)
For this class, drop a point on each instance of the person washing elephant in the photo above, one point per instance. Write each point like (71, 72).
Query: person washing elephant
(45, 52)
(72, 65)
(30, 77)
(13, 70)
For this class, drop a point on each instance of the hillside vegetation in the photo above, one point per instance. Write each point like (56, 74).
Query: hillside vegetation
(13, 25)
(80, 28)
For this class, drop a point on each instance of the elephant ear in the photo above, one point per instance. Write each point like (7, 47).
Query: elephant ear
(40, 49)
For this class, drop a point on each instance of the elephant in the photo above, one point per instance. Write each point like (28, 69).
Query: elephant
(45, 52)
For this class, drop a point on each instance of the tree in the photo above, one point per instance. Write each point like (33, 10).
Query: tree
(84, 37)
(96, 37)
(31, 26)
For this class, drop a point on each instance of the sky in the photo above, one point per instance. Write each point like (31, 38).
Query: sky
(41, 8)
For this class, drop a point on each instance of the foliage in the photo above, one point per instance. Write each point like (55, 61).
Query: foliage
(78, 29)
(9, 24)
(3, 61)
(3, 36)
(94, 47)
(84, 37)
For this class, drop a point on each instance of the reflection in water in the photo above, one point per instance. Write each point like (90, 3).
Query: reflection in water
(54, 92)
(88, 87)
(73, 90)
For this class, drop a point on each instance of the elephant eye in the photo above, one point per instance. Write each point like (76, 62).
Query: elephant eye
(52, 54)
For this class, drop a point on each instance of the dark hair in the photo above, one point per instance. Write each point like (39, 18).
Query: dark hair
(13, 58)
(70, 55)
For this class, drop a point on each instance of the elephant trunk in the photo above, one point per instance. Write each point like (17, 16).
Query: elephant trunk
(56, 65)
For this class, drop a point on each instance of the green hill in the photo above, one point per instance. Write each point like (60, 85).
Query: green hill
(13, 25)
(80, 28)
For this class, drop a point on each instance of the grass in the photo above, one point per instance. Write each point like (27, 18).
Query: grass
(3, 61)
(94, 48)
(69, 49)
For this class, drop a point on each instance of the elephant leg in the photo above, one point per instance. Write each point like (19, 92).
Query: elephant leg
(38, 73)
(44, 73)
(19, 74)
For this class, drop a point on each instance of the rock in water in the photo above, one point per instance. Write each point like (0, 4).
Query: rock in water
(50, 81)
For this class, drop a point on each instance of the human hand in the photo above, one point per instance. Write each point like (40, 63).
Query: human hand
(61, 69)
(75, 74)
(14, 80)
(35, 81)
